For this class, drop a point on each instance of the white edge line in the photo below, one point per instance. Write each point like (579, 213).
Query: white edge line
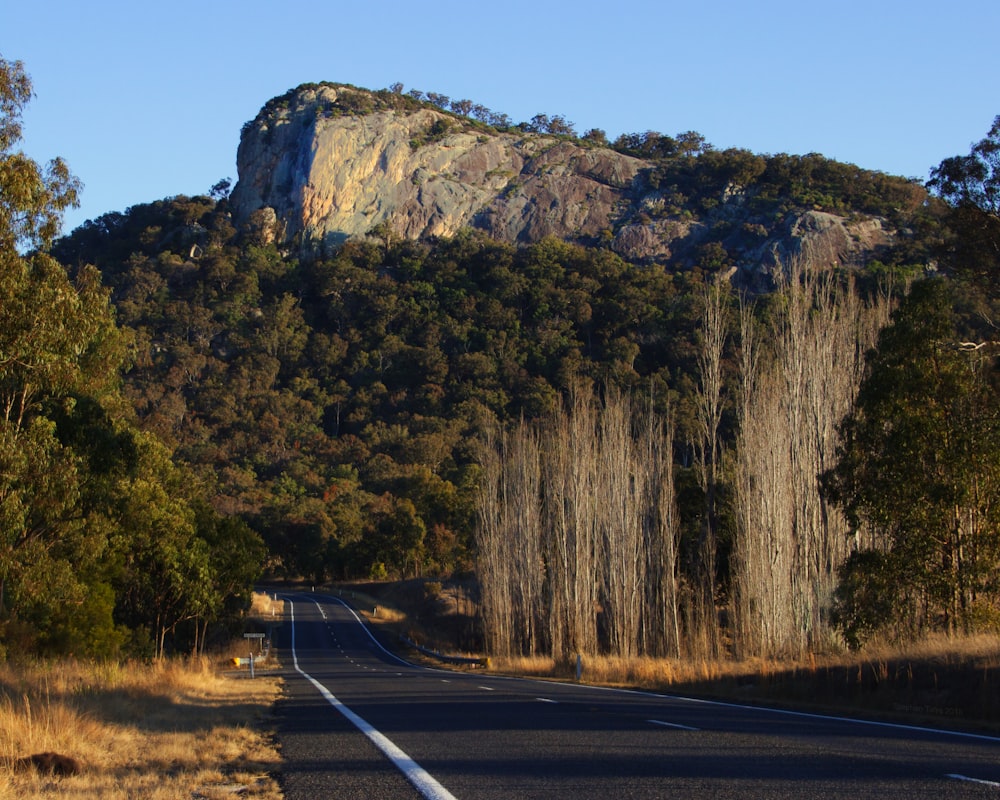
(830, 718)
(672, 725)
(415, 774)
(967, 779)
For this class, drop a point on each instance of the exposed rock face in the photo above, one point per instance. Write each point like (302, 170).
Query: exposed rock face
(316, 175)
(330, 178)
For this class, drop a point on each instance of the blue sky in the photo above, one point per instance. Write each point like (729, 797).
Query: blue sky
(146, 100)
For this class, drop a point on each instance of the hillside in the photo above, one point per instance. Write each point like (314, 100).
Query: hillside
(390, 281)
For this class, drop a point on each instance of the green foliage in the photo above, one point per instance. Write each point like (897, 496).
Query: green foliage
(919, 467)
(867, 598)
(98, 545)
(971, 185)
(32, 199)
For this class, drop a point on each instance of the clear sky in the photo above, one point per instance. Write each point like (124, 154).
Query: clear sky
(145, 100)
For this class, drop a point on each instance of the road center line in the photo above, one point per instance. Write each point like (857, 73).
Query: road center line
(671, 725)
(415, 774)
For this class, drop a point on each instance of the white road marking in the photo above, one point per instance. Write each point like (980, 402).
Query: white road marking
(415, 774)
(547, 700)
(967, 779)
(671, 725)
(808, 715)
(487, 688)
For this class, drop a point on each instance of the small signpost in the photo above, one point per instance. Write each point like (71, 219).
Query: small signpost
(258, 636)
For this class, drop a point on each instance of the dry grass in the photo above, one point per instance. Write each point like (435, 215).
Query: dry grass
(618, 671)
(265, 606)
(939, 680)
(166, 730)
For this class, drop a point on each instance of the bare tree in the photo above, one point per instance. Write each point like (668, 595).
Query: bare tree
(577, 519)
(620, 520)
(571, 500)
(714, 332)
(509, 542)
(661, 634)
(790, 542)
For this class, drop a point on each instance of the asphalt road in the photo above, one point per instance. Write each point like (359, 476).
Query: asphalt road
(359, 723)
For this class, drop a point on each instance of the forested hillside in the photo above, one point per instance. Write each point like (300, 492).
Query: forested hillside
(644, 457)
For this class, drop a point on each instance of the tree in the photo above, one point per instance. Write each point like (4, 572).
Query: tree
(709, 400)
(918, 471)
(971, 184)
(220, 190)
(798, 382)
(32, 199)
(463, 107)
(60, 356)
(973, 179)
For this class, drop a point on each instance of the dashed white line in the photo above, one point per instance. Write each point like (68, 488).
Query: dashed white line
(671, 725)
(547, 700)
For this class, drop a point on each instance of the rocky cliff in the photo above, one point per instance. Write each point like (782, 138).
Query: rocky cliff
(328, 162)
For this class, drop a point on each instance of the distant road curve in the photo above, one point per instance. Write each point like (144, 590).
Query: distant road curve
(358, 722)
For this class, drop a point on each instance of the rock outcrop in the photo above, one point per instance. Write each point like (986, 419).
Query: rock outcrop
(425, 173)
(326, 163)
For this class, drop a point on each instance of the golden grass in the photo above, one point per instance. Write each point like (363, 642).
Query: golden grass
(371, 608)
(620, 671)
(265, 606)
(166, 730)
(937, 679)
(984, 650)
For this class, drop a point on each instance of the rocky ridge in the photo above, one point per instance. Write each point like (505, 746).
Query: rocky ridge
(329, 162)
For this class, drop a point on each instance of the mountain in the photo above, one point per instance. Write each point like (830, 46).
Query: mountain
(394, 348)
(329, 162)
(390, 278)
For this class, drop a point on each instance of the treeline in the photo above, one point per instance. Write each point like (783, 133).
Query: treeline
(581, 542)
(855, 495)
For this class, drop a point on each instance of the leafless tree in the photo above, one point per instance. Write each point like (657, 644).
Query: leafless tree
(789, 540)
(577, 533)
(713, 334)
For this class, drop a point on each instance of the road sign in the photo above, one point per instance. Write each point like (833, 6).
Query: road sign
(254, 635)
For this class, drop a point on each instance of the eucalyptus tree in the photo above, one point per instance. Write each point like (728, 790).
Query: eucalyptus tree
(919, 467)
(971, 186)
(60, 355)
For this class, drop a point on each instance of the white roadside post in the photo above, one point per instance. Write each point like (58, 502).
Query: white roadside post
(258, 636)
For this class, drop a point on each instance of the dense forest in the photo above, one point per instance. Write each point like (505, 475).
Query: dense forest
(638, 458)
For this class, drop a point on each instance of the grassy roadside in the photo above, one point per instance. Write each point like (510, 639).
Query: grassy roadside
(160, 731)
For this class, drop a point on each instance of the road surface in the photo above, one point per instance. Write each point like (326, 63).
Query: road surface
(358, 722)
